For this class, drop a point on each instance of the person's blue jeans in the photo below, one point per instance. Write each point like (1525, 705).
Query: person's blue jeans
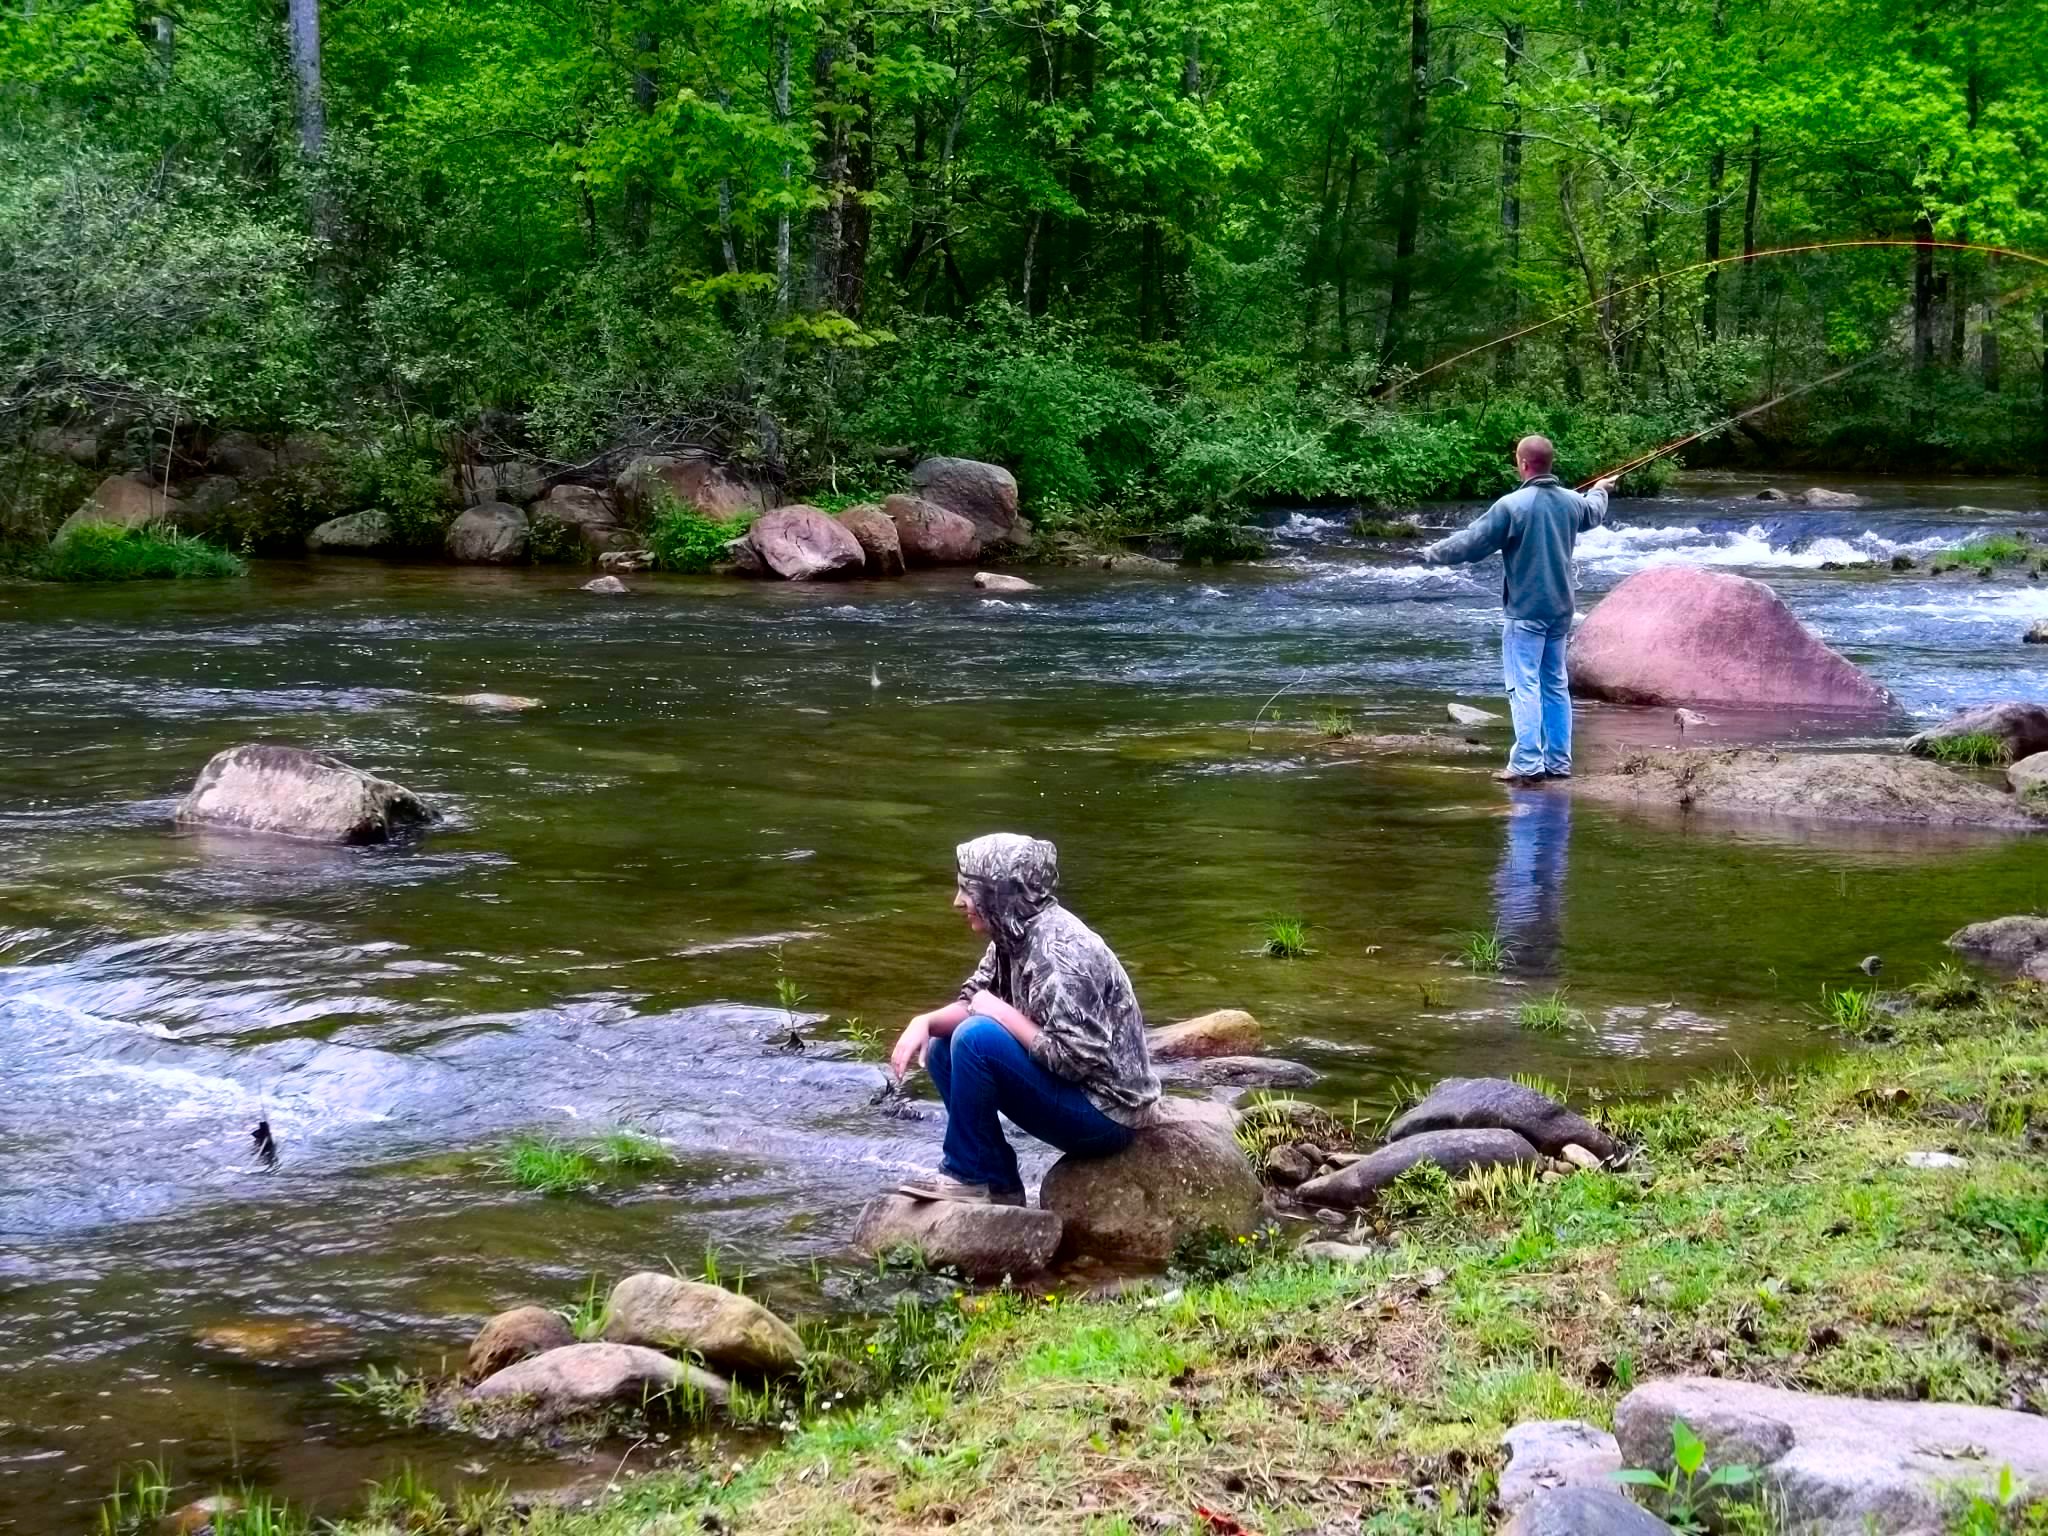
(1539, 697)
(981, 1071)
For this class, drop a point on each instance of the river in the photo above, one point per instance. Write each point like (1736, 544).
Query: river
(727, 783)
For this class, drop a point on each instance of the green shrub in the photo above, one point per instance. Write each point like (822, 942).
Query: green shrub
(1213, 538)
(684, 539)
(550, 541)
(408, 490)
(103, 552)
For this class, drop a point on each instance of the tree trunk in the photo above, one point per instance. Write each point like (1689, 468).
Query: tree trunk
(1987, 339)
(639, 190)
(1749, 205)
(1408, 217)
(828, 219)
(1514, 39)
(1923, 294)
(302, 30)
(1958, 309)
(725, 244)
(1717, 171)
(164, 30)
(1343, 259)
(782, 294)
(856, 218)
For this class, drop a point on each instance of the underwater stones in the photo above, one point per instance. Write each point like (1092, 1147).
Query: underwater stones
(983, 1242)
(800, 543)
(2006, 941)
(877, 535)
(493, 703)
(513, 1336)
(2037, 633)
(1183, 1174)
(579, 1377)
(283, 1341)
(1555, 1453)
(2029, 776)
(1495, 1103)
(1465, 714)
(203, 1514)
(289, 792)
(1583, 1512)
(1816, 496)
(1681, 635)
(604, 586)
(728, 1331)
(1456, 1152)
(494, 533)
(930, 535)
(2020, 725)
(120, 502)
(984, 494)
(1841, 1466)
(359, 533)
(1242, 1072)
(1225, 1032)
(1830, 786)
(995, 581)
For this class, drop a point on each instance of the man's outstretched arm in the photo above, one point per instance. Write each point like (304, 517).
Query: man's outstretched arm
(1478, 539)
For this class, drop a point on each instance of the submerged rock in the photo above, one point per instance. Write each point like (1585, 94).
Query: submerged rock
(984, 494)
(289, 792)
(930, 535)
(1817, 496)
(513, 1336)
(359, 533)
(1831, 786)
(494, 533)
(869, 524)
(800, 543)
(1242, 1072)
(728, 1331)
(280, 1341)
(1583, 1512)
(1677, 634)
(1455, 1152)
(628, 560)
(1841, 1466)
(121, 501)
(1225, 1032)
(983, 1242)
(1288, 1165)
(497, 703)
(995, 581)
(2006, 941)
(2037, 634)
(1465, 714)
(1495, 1103)
(1556, 1453)
(605, 586)
(579, 1377)
(2020, 725)
(203, 1514)
(1182, 1175)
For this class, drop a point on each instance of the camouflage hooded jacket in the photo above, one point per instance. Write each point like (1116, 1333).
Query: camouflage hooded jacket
(1052, 968)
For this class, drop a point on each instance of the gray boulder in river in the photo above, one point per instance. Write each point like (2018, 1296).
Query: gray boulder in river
(513, 1336)
(1456, 1152)
(1583, 1512)
(492, 534)
(290, 792)
(359, 533)
(877, 535)
(2008, 941)
(727, 1331)
(2021, 725)
(1498, 1104)
(1181, 1175)
(984, 494)
(983, 1242)
(1827, 786)
(577, 1378)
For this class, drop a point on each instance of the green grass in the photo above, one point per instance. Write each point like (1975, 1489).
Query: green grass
(138, 1503)
(1947, 985)
(1335, 724)
(1433, 993)
(1850, 1009)
(1285, 938)
(1486, 951)
(684, 539)
(1550, 1015)
(1984, 552)
(397, 1395)
(1972, 749)
(551, 1165)
(102, 552)
(1383, 528)
(588, 1317)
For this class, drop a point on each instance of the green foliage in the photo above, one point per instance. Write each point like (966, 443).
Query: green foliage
(1211, 538)
(103, 552)
(587, 1318)
(2019, 1221)
(1486, 951)
(405, 1499)
(1686, 1487)
(917, 1343)
(397, 1395)
(684, 539)
(1286, 938)
(1988, 550)
(550, 1165)
(1551, 1015)
(257, 1512)
(1853, 1010)
(1972, 749)
(1211, 1253)
(140, 1498)
(1433, 993)
(407, 489)
(1365, 527)
(1946, 986)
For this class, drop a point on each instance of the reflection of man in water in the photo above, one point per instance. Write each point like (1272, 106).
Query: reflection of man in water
(1528, 888)
(1534, 529)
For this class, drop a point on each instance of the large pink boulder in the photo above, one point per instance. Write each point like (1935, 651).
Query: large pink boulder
(1675, 634)
(930, 535)
(800, 543)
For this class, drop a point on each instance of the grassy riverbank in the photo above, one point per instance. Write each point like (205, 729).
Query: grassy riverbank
(1767, 1228)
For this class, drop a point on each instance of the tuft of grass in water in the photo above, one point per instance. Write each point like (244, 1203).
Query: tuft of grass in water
(1335, 724)
(631, 1151)
(1286, 938)
(1550, 1015)
(102, 552)
(867, 1039)
(1487, 951)
(587, 1318)
(1947, 986)
(140, 1497)
(396, 1394)
(1985, 552)
(1434, 994)
(1364, 527)
(406, 1500)
(259, 1513)
(550, 1165)
(1973, 749)
(1852, 1010)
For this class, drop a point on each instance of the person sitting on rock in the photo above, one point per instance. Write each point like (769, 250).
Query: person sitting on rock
(1047, 1031)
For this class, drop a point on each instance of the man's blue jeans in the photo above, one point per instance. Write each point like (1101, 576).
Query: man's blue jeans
(981, 1071)
(1539, 697)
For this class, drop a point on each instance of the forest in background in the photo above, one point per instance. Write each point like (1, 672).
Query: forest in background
(1159, 256)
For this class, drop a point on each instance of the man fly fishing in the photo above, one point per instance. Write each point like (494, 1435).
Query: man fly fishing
(1535, 529)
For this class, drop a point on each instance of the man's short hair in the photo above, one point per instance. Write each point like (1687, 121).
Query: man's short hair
(1536, 454)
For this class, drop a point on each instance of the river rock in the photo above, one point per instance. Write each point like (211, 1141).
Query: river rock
(1817, 496)
(995, 581)
(1555, 1453)
(2005, 941)
(1327, 1251)
(2029, 776)
(495, 703)
(1583, 1512)
(1288, 1165)
(287, 1341)
(1841, 1466)
(1183, 1174)
(700, 484)
(1455, 1152)
(588, 511)
(1495, 1103)
(579, 1377)
(203, 1514)
(2037, 634)
(604, 586)
(81, 445)
(984, 494)
(1465, 714)
(2021, 725)
(931, 535)
(800, 543)
(1242, 1072)
(728, 1331)
(1675, 634)
(513, 1336)
(983, 1242)
(492, 534)
(877, 535)
(1226, 1032)
(628, 560)
(121, 502)
(289, 792)
(359, 533)
(1830, 786)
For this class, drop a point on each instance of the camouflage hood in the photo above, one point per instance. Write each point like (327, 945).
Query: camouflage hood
(1011, 879)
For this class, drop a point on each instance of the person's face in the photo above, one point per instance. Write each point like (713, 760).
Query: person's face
(966, 908)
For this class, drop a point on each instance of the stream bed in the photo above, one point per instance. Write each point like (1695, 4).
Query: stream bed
(728, 783)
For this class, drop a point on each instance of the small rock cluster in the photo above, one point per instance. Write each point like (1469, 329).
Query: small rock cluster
(962, 510)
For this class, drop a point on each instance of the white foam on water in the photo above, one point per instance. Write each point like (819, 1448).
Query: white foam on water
(1625, 549)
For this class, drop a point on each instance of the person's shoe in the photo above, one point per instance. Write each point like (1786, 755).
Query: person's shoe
(943, 1186)
(1557, 773)
(1519, 780)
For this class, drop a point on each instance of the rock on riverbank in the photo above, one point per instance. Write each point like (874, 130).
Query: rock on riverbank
(983, 1242)
(1456, 1152)
(1179, 1176)
(1830, 786)
(1225, 1032)
(2019, 725)
(728, 1331)
(578, 1378)
(1496, 1103)
(293, 793)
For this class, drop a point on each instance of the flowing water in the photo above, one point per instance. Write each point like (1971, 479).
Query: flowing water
(728, 783)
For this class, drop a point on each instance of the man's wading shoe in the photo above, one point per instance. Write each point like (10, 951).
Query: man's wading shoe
(944, 1187)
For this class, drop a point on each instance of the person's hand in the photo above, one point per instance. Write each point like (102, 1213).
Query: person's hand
(1607, 483)
(985, 1003)
(908, 1045)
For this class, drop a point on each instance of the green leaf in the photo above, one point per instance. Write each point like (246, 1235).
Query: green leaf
(1641, 1477)
(1688, 1450)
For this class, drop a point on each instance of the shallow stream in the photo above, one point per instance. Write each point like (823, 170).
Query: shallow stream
(726, 783)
